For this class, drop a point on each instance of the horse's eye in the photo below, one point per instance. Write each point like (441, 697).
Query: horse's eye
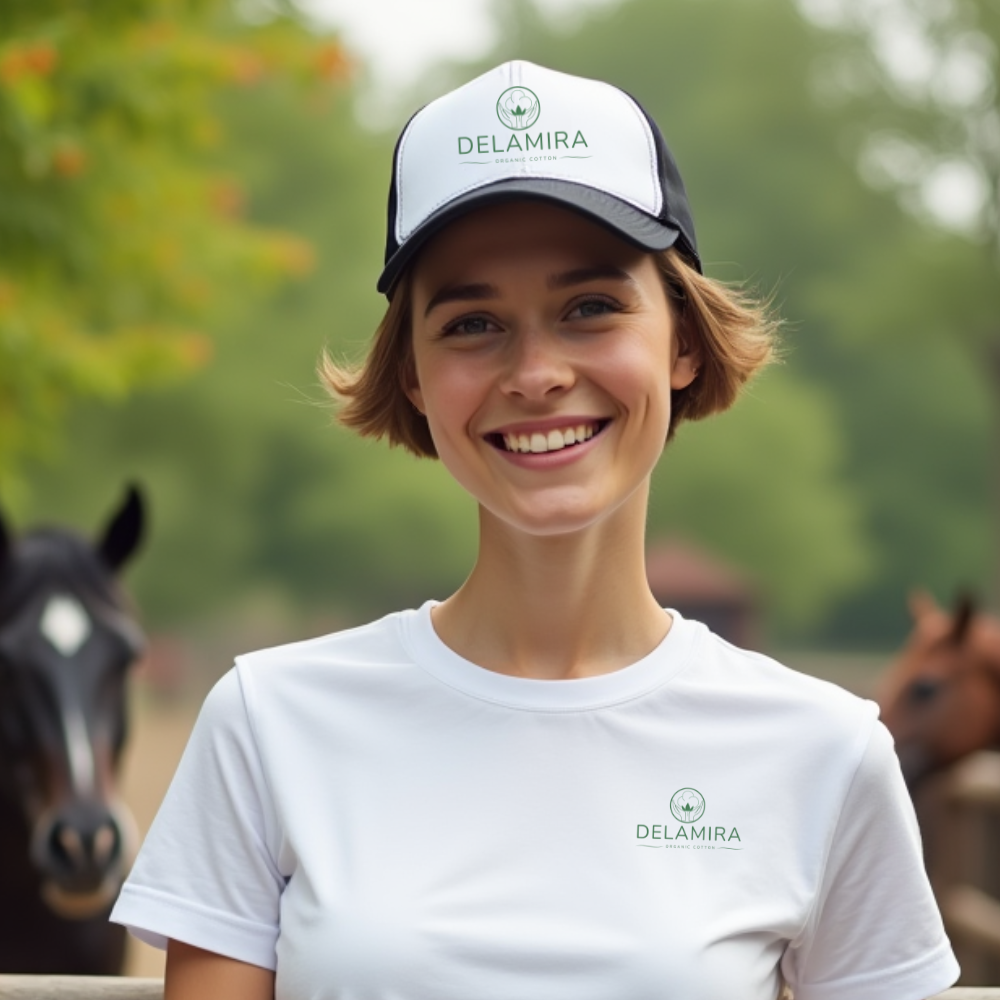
(923, 690)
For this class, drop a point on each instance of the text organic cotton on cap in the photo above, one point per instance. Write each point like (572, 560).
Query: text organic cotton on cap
(524, 131)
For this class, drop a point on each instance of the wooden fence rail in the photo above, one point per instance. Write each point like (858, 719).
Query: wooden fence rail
(959, 812)
(101, 988)
(79, 988)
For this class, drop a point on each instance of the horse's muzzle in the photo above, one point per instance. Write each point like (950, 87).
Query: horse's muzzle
(84, 850)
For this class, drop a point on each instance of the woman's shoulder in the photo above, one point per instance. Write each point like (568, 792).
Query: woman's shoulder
(313, 679)
(362, 661)
(772, 693)
(373, 643)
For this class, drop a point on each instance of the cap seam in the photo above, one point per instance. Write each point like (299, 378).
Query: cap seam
(400, 238)
(650, 150)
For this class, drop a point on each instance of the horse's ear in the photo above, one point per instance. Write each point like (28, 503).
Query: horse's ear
(921, 604)
(965, 611)
(124, 531)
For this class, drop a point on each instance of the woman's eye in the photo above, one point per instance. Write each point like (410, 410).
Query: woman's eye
(470, 325)
(593, 307)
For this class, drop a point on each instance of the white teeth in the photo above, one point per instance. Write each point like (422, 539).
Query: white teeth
(555, 440)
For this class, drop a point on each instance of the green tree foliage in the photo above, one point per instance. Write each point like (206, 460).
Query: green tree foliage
(923, 77)
(121, 233)
(763, 485)
(921, 83)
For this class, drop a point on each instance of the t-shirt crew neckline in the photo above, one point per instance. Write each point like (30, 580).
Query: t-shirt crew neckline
(655, 669)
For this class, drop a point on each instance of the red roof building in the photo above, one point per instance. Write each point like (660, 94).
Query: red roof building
(698, 585)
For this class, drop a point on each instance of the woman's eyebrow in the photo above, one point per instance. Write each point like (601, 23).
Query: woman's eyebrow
(482, 291)
(581, 275)
(462, 293)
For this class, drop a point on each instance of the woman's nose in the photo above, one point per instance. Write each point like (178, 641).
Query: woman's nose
(537, 366)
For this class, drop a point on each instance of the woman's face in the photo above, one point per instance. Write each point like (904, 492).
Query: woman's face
(545, 353)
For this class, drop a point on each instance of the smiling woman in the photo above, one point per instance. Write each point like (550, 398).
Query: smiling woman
(463, 800)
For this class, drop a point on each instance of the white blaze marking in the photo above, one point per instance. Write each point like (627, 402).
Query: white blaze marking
(81, 757)
(65, 624)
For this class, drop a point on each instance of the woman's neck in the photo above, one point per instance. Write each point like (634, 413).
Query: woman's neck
(556, 607)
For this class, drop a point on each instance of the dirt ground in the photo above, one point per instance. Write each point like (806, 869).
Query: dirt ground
(159, 732)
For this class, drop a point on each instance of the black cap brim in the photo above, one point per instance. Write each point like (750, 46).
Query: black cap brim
(623, 219)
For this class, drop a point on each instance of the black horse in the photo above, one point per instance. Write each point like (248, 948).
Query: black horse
(66, 641)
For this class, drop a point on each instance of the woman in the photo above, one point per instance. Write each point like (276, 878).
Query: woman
(545, 786)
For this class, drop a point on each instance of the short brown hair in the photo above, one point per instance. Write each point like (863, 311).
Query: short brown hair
(733, 333)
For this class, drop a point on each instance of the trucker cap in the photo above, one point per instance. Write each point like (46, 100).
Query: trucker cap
(524, 131)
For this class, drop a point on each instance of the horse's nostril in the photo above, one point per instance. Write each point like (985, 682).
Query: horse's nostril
(106, 844)
(66, 846)
(80, 846)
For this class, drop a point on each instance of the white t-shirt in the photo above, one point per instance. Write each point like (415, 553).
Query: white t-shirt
(377, 818)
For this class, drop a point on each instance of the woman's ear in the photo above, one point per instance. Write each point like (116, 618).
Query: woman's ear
(411, 386)
(685, 371)
(416, 397)
(687, 362)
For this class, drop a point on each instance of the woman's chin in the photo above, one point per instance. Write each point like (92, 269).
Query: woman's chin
(559, 512)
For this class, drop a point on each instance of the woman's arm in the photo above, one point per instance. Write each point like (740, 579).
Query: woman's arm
(196, 974)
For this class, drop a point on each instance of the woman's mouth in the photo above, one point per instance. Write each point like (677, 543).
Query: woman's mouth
(540, 442)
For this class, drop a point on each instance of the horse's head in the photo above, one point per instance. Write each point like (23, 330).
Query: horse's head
(66, 641)
(941, 697)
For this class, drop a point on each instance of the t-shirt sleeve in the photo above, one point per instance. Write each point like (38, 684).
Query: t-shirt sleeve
(206, 873)
(875, 932)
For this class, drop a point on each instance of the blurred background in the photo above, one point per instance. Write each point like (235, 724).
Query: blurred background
(192, 201)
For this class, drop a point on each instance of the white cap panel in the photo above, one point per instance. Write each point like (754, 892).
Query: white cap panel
(519, 121)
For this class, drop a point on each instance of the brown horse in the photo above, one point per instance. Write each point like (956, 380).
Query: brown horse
(941, 697)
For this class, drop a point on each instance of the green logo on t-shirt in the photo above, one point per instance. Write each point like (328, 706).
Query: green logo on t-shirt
(687, 805)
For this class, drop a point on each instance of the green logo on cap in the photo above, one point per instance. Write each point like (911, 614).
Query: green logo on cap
(687, 805)
(518, 108)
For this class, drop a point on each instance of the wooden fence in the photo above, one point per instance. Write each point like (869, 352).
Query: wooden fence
(100, 988)
(959, 813)
(79, 988)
